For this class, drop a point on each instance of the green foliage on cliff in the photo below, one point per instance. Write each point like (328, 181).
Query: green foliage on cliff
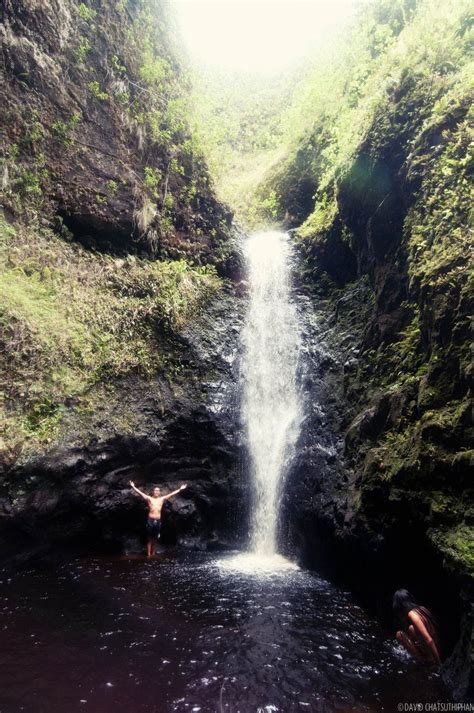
(294, 137)
(119, 103)
(457, 544)
(71, 319)
(438, 226)
(96, 135)
(421, 50)
(391, 121)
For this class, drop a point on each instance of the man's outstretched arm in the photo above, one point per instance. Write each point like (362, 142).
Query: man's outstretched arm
(175, 492)
(140, 492)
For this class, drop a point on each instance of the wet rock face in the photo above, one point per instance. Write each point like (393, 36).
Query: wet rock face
(95, 135)
(96, 145)
(388, 374)
(344, 511)
(78, 495)
(315, 504)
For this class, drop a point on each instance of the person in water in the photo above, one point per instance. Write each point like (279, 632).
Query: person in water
(155, 505)
(418, 632)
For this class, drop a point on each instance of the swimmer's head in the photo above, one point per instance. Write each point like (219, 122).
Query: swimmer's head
(403, 602)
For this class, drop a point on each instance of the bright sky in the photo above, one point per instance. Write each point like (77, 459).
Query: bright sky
(257, 35)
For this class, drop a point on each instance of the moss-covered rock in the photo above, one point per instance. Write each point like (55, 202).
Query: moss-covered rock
(111, 241)
(392, 206)
(95, 132)
(74, 491)
(456, 543)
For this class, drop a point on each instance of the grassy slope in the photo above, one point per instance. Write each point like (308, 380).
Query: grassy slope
(71, 320)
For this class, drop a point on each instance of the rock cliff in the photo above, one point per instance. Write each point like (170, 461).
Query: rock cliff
(119, 323)
(76, 493)
(94, 110)
(380, 198)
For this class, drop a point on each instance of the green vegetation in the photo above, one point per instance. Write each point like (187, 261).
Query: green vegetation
(403, 69)
(238, 119)
(36, 132)
(403, 65)
(118, 66)
(26, 173)
(86, 13)
(457, 545)
(438, 225)
(64, 130)
(152, 180)
(71, 319)
(97, 92)
(82, 49)
(29, 182)
(155, 71)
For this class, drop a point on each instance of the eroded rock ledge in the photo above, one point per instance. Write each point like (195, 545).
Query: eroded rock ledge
(154, 432)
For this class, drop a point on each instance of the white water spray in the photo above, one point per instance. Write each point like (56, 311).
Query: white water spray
(271, 405)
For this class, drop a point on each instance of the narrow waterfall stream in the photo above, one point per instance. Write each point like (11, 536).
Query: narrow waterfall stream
(271, 407)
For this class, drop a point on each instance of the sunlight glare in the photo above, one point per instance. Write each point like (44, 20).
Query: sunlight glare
(257, 35)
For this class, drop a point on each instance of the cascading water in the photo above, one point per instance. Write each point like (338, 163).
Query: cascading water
(271, 406)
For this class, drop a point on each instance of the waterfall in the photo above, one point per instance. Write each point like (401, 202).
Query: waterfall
(271, 404)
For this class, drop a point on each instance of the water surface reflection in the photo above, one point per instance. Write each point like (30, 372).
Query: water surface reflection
(188, 632)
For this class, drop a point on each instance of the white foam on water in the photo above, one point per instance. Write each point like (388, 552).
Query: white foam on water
(253, 563)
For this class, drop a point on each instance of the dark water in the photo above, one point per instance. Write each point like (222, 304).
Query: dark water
(180, 633)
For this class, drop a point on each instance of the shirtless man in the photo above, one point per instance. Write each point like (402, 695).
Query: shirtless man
(155, 504)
